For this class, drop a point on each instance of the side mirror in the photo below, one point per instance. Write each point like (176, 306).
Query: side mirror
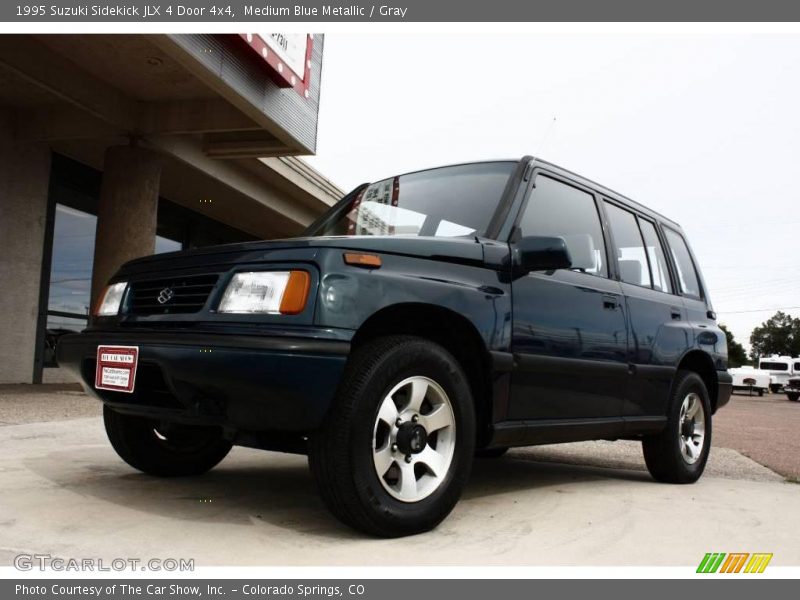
(537, 253)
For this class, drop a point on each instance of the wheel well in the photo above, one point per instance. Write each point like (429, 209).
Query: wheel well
(450, 330)
(701, 363)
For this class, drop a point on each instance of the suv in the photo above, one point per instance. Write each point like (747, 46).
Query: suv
(424, 319)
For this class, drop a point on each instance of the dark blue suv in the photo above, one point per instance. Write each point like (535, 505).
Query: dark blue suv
(425, 319)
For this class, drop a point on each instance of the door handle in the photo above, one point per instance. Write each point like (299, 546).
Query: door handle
(675, 313)
(610, 302)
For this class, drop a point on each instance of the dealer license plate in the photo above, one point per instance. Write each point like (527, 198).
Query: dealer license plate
(116, 368)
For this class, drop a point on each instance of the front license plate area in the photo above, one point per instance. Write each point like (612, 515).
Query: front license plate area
(116, 368)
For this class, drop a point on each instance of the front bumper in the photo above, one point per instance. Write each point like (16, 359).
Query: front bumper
(724, 388)
(246, 382)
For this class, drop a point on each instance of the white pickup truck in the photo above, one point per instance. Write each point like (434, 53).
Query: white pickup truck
(750, 379)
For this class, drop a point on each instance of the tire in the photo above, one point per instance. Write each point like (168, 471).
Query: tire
(774, 389)
(357, 440)
(760, 393)
(668, 456)
(490, 452)
(794, 397)
(165, 451)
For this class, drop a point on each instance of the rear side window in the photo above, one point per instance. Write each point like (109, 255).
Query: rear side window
(633, 267)
(658, 261)
(774, 366)
(687, 275)
(560, 210)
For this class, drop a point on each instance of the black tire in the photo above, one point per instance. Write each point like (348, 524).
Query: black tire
(760, 393)
(341, 452)
(774, 389)
(176, 450)
(490, 452)
(794, 397)
(662, 452)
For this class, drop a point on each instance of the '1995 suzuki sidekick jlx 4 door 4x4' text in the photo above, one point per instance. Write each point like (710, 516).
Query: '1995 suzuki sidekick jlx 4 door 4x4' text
(425, 319)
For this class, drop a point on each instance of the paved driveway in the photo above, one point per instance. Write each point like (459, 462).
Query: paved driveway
(63, 491)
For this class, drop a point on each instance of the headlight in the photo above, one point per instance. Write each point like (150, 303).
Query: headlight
(276, 292)
(112, 298)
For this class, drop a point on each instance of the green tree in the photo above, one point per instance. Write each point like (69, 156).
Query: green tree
(780, 334)
(736, 353)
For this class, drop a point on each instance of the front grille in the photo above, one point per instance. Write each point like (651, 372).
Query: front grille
(173, 295)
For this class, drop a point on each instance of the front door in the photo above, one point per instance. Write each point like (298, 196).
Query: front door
(569, 336)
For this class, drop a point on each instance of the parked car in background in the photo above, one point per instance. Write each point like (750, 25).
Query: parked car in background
(750, 379)
(780, 369)
(792, 388)
(425, 318)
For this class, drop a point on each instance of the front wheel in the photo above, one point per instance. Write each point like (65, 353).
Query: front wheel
(794, 397)
(678, 454)
(396, 449)
(164, 449)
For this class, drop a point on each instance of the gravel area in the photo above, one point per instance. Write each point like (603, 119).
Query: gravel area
(765, 429)
(35, 403)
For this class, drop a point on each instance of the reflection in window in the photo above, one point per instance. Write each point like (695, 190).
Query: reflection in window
(166, 245)
(560, 210)
(71, 267)
(687, 276)
(633, 266)
(658, 263)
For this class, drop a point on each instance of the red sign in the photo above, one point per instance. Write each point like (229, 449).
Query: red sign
(288, 56)
(116, 368)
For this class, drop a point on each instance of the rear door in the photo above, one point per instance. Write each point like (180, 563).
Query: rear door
(659, 334)
(569, 335)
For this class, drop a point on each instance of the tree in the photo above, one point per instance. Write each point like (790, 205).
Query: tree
(736, 353)
(780, 334)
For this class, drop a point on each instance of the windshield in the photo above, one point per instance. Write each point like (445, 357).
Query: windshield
(445, 202)
(774, 366)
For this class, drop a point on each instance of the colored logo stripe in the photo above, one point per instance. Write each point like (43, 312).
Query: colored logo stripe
(758, 563)
(711, 562)
(714, 562)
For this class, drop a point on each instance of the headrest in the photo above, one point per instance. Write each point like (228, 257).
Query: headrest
(631, 271)
(581, 250)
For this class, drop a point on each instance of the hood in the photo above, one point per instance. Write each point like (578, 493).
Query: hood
(461, 250)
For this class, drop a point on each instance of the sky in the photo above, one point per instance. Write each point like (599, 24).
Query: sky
(704, 129)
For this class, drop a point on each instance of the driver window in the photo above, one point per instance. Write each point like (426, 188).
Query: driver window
(560, 210)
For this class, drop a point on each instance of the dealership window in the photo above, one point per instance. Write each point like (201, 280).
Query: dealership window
(75, 190)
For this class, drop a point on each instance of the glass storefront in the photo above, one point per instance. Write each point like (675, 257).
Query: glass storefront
(74, 191)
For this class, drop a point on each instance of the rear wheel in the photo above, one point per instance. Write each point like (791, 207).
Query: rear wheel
(164, 449)
(678, 454)
(793, 397)
(396, 449)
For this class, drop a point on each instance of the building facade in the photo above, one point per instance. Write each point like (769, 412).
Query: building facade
(119, 146)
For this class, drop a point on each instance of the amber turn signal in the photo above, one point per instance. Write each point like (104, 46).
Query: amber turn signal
(295, 295)
(370, 261)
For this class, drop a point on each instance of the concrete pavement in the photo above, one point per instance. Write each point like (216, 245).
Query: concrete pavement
(63, 491)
